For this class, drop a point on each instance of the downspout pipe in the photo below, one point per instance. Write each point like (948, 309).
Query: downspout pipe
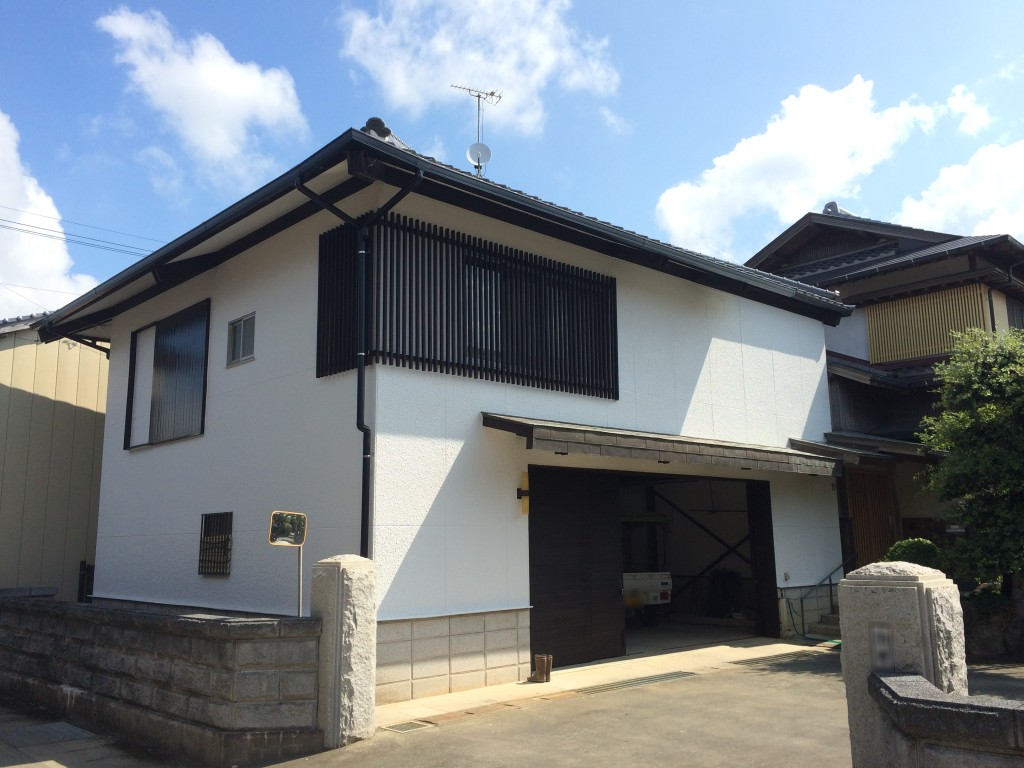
(362, 254)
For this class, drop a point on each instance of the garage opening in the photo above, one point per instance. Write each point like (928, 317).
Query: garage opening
(592, 533)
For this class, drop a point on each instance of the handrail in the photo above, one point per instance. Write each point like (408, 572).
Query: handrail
(831, 599)
(828, 576)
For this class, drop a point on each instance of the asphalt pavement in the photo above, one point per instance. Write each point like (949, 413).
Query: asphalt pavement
(747, 705)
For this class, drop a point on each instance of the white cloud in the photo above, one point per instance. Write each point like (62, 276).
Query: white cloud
(214, 103)
(816, 149)
(416, 49)
(165, 176)
(984, 196)
(39, 261)
(615, 121)
(975, 117)
(436, 149)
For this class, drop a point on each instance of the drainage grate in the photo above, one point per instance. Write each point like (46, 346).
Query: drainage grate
(409, 725)
(635, 682)
(782, 657)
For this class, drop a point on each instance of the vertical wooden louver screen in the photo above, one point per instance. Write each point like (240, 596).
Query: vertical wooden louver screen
(920, 326)
(870, 501)
(444, 301)
(336, 302)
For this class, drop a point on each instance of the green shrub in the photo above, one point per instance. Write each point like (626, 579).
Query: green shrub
(918, 551)
(988, 603)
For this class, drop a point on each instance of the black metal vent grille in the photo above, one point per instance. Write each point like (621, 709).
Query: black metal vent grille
(444, 301)
(215, 545)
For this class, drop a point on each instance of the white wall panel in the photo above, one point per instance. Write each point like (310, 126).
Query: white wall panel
(806, 525)
(276, 437)
(698, 375)
(850, 337)
(448, 534)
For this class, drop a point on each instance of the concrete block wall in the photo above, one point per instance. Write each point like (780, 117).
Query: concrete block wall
(427, 657)
(928, 728)
(221, 690)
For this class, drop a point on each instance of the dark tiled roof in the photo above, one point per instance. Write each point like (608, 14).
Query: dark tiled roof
(395, 163)
(898, 230)
(898, 261)
(820, 271)
(902, 377)
(883, 258)
(789, 281)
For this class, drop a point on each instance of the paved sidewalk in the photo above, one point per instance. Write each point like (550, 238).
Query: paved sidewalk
(34, 739)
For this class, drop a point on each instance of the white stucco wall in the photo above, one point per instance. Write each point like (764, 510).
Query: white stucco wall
(448, 534)
(850, 337)
(276, 437)
(805, 521)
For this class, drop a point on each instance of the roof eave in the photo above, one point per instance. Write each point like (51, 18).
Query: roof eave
(769, 289)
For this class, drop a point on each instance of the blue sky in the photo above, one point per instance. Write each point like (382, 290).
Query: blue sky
(709, 125)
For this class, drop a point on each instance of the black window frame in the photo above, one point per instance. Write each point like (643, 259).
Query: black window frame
(172, 390)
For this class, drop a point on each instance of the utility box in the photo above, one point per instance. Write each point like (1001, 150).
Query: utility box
(643, 589)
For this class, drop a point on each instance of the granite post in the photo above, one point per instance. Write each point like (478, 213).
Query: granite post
(344, 598)
(903, 618)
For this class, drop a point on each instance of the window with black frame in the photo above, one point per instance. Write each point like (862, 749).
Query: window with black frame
(167, 378)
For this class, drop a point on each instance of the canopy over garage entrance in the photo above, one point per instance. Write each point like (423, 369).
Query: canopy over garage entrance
(590, 526)
(561, 437)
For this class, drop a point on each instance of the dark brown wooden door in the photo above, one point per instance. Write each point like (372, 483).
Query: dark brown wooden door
(762, 557)
(575, 565)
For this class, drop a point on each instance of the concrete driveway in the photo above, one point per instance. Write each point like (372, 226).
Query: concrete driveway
(784, 710)
(746, 702)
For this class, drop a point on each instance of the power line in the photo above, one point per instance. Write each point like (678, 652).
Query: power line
(79, 224)
(115, 247)
(25, 298)
(36, 288)
(80, 238)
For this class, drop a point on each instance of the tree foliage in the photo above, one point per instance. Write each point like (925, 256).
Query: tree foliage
(980, 427)
(919, 551)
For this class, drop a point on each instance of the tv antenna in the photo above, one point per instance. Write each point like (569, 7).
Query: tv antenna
(479, 154)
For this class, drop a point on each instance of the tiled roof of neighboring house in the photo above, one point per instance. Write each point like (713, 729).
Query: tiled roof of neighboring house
(887, 260)
(21, 322)
(889, 376)
(335, 173)
(820, 272)
(811, 223)
(833, 248)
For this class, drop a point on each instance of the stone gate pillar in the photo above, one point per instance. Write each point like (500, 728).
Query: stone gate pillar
(896, 617)
(344, 597)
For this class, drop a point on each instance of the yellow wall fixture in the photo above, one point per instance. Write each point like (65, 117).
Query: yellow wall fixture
(920, 326)
(523, 492)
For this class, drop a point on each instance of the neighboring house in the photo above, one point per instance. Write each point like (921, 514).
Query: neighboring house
(52, 401)
(547, 400)
(911, 289)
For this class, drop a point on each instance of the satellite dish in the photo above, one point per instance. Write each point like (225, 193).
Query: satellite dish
(479, 154)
